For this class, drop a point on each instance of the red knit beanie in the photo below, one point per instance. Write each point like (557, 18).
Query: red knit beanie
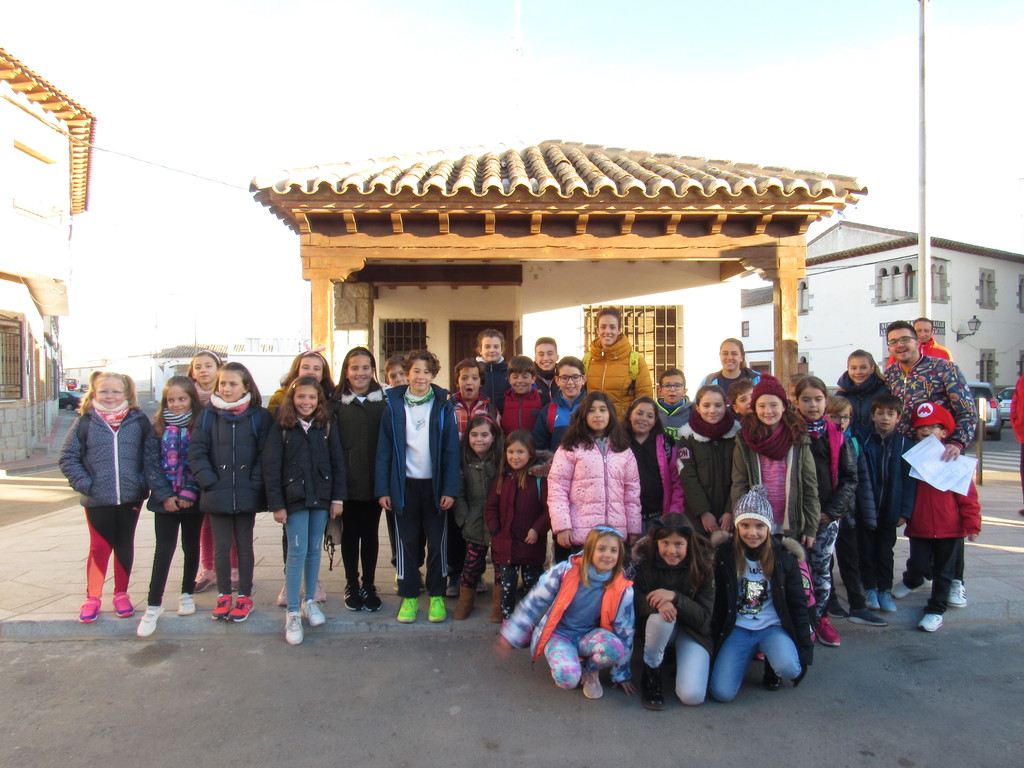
(768, 385)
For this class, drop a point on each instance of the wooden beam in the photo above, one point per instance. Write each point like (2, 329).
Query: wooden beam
(439, 274)
(350, 223)
(716, 224)
(321, 291)
(396, 224)
(443, 224)
(489, 223)
(535, 221)
(672, 224)
(626, 226)
(581, 223)
(762, 223)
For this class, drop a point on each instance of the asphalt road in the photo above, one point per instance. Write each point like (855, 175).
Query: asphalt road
(886, 698)
(28, 496)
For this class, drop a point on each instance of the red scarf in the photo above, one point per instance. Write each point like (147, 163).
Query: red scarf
(775, 446)
(112, 418)
(711, 431)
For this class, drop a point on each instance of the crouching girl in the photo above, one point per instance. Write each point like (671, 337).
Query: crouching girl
(580, 609)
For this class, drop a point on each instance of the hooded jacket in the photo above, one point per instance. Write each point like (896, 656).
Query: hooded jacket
(547, 601)
(608, 372)
(694, 605)
(225, 455)
(893, 487)
(788, 595)
(109, 469)
(391, 448)
(674, 417)
(358, 428)
(705, 470)
(1017, 410)
(836, 466)
(553, 420)
(510, 516)
(667, 453)
(520, 411)
(474, 484)
(803, 510)
(944, 514)
(303, 469)
(495, 383)
(587, 488)
(860, 397)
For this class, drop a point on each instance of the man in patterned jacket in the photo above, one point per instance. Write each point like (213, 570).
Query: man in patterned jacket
(916, 378)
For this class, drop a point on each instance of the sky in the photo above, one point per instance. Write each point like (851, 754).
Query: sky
(223, 91)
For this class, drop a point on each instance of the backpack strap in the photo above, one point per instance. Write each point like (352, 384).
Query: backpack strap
(586, 362)
(83, 431)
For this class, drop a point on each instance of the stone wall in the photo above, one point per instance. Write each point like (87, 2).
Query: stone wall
(22, 426)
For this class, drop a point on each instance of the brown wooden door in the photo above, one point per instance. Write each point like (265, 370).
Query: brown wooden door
(462, 341)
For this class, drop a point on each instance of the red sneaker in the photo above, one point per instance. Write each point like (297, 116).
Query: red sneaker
(827, 634)
(242, 609)
(223, 607)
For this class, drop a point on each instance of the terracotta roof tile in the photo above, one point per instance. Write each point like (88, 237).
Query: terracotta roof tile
(80, 124)
(565, 169)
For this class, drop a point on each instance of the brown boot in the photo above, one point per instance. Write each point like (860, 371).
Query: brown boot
(496, 616)
(467, 601)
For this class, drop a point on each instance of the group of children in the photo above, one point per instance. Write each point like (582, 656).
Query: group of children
(714, 524)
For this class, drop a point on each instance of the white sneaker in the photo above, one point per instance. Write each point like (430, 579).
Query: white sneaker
(311, 609)
(282, 597)
(592, 685)
(901, 590)
(148, 624)
(930, 622)
(186, 604)
(293, 627)
(957, 594)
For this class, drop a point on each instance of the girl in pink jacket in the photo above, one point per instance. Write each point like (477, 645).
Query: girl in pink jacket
(594, 478)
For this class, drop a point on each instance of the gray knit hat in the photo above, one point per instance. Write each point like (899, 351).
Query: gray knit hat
(754, 505)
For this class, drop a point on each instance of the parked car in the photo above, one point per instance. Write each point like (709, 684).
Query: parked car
(69, 400)
(1004, 398)
(994, 422)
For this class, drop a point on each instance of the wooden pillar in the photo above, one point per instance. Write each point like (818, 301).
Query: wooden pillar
(324, 267)
(321, 324)
(785, 276)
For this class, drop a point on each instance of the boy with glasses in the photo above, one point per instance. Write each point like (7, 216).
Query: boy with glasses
(673, 405)
(553, 419)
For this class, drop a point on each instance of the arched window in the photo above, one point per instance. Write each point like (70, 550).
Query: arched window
(883, 289)
(909, 282)
(897, 284)
(803, 299)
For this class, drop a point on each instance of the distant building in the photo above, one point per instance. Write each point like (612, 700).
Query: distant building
(861, 278)
(45, 152)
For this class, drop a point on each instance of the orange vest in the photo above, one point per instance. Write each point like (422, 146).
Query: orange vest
(570, 585)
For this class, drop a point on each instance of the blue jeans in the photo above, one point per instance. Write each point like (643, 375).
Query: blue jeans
(305, 529)
(739, 648)
(692, 661)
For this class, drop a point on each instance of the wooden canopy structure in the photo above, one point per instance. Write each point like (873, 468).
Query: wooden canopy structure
(435, 213)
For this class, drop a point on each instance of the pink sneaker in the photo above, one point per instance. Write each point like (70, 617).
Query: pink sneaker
(827, 634)
(90, 610)
(123, 605)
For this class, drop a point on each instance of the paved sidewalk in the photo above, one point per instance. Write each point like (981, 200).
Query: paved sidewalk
(42, 581)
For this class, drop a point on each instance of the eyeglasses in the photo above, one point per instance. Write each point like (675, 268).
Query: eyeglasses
(900, 340)
(672, 386)
(566, 379)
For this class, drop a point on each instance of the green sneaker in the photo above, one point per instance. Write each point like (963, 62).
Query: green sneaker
(407, 613)
(437, 611)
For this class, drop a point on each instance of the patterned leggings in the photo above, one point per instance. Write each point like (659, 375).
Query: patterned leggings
(599, 647)
(475, 565)
(819, 557)
(506, 577)
(111, 531)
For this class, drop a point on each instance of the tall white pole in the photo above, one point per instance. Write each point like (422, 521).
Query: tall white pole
(924, 243)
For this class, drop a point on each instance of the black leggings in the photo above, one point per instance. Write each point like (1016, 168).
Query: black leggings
(227, 530)
(166, 525)
(360, 540)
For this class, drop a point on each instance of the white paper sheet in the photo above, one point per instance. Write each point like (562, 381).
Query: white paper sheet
(925, 459)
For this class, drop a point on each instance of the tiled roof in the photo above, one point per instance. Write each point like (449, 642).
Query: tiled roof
(911, 241)
(755, 297)
(191, 350)
(560, 169)
(80, 122)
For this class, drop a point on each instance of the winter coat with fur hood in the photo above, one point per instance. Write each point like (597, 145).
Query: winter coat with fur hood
(474, 484)
(693, 604)
(587, 487)
(358, 427)
(787, 592)
(705, 469)
(225, 454)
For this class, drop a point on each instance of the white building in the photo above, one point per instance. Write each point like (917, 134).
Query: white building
(861, 277)
(45, 146)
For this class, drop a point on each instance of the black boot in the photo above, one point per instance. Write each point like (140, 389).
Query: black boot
(650, 688)
(771, 679)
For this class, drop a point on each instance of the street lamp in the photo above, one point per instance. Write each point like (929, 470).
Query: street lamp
(972, 325)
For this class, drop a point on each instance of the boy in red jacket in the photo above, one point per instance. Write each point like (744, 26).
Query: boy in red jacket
(940, 520)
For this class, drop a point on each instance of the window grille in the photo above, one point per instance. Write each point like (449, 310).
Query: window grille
(398, 337)
(653, 330)
(11, 360)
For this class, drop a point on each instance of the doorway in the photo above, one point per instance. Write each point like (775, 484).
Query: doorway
(462, 340)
